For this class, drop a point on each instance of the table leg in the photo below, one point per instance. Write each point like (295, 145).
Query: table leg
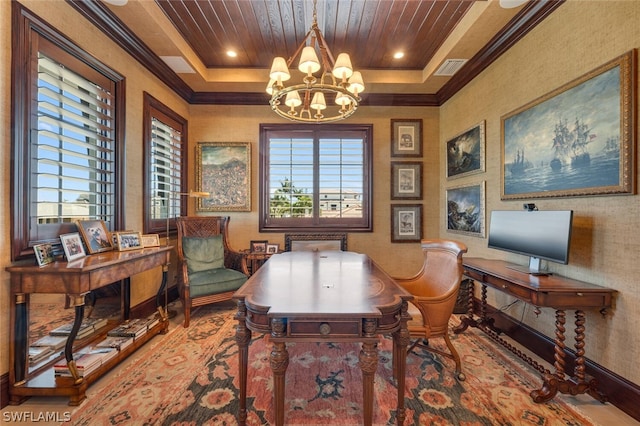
(243, 337)
(77, 301)
(400, 342)
(368, 365)
(279, 363)
(21, 336)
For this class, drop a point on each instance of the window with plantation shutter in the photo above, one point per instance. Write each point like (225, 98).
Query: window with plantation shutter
(68, 120)
(165, 133)
(73, 148)
(315, 178)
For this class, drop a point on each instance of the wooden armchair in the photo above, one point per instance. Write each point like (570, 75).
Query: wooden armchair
(209, 270)
(435, 289)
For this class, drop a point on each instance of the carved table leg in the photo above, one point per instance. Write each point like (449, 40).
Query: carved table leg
(279, 363)
(243, 337)
(467, 321)
(368, 365)
(551, 382)
(77, 301)
(401, 340)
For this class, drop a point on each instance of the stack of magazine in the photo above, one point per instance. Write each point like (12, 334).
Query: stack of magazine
(135, 328)
(87, 360)
(87, 328)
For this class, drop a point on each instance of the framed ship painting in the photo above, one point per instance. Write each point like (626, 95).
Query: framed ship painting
(465, 152)
(575, 141)
(465, 209)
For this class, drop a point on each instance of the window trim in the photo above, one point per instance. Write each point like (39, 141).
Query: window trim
(153, 107)
(28, 31)
(291, 224)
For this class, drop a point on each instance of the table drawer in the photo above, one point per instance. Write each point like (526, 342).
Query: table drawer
(332, 328)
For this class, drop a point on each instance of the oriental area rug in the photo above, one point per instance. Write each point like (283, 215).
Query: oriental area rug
(190, 377)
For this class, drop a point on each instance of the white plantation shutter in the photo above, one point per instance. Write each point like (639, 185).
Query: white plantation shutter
(166, 170)
(73, 148)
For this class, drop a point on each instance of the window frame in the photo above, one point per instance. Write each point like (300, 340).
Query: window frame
(269, 224)
(154, 108)
(31, 35)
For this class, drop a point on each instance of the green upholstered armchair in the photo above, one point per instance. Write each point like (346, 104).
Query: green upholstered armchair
(209, 270)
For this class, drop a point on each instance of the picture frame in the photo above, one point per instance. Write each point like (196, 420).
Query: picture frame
(406, 223)
(466, 152)
(129, 240)
(223, 169)
(258, 246)
(406, 180)
(96, 235)
(466, 209)
(72, 246)
(406, 137)
(150, 240)
(315, 242)
(44, 253)
(273, 248)
(577, 140)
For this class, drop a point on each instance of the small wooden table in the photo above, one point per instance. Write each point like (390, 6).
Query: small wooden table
(75, 279)
(551, 291)
(326, 296)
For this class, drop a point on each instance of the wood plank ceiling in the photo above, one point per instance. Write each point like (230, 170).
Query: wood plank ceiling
(200, 32)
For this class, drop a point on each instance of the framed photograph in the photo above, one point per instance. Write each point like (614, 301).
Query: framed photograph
(258, 246)
(406, 137)
(273, 248)
(315, 242)
(406, 180)
(150, 240)
(44, 253)
(465, 152)
(223, 169)
(95, 235)
(406, 223)
(129, 240)
(577, 140)
(72, 246)
(465, 209)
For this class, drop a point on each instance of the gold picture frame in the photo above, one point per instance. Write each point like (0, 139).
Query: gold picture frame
(95, 235)
(223, 169)
(577, 140)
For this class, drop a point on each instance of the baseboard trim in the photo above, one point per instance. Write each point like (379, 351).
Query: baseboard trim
(620, 392)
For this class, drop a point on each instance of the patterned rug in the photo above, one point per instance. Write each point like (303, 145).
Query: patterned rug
(189, 377)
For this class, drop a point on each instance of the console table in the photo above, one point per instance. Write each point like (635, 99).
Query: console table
(344, 297)
(550, 291)
(75, 279)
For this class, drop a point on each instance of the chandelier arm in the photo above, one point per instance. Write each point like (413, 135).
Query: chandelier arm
(327, 57)
(300, 47)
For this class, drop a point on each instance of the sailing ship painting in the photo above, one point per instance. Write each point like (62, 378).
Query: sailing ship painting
(567, 142)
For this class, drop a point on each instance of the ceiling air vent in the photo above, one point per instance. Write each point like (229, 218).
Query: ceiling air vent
(450, 66)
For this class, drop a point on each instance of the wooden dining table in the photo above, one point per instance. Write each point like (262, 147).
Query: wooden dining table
(322, 296)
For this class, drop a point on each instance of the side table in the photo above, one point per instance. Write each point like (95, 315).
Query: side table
(255, 260)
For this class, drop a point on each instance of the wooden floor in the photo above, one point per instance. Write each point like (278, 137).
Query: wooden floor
(603, 414)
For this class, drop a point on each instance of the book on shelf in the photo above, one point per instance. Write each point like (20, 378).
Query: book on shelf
(38, 353)
(87, 361)
(117, 342)
(87, 328)
(53, 342)
(133, 328)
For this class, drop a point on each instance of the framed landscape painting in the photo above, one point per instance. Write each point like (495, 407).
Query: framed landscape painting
(465, 152)
(465, 209)
(223, 169)
(577, 140)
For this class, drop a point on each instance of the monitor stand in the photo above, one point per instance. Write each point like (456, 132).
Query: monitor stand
(533, 268)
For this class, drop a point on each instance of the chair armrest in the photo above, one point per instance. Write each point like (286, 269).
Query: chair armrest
(236, 260)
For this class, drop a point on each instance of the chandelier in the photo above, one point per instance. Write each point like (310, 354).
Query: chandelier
(307, 102)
